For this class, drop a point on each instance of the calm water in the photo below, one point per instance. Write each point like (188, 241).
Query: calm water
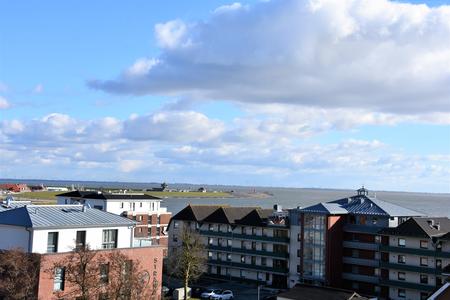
(430, 204)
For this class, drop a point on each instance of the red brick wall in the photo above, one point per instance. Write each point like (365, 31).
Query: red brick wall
(165, 218)
(334, 236)
(150, 259)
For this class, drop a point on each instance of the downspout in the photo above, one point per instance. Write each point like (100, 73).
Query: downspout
(30, 240)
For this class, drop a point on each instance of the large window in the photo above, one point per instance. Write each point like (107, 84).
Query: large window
(314, 245)
(52, 242)
(80, 241)
(109, 239)
(58, 279)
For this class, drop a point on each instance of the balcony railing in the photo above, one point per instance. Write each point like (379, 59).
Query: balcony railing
(361, 228)
(249, 251)
(361, 245)
(246, 236)
(410, 268)
(361, 278)
(270, 269)
(408, 285)
(361, 261)
(414, 251)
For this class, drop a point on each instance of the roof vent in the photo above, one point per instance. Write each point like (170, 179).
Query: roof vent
(431, 222)
(437, 226)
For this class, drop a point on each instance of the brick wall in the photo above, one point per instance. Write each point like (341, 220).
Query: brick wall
(150, 259)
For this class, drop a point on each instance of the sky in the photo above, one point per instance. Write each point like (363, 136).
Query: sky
(290, 93)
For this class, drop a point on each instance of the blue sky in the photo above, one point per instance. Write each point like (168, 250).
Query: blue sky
(280, 93)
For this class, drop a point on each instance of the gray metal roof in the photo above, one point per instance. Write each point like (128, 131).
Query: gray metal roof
(61, 216)
(13, 204)
(362, 204)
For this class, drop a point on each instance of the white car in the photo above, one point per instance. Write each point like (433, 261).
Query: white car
(209, 293)
(224, 295)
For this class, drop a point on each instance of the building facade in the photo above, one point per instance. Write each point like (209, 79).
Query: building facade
(145, 209)
(414, 257)
(53, 231)
(339, 242)
(244, 243)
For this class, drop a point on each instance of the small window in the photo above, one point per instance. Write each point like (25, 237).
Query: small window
(423, 279)
(263, 261)
(52, 242)
(229, 243)
(263, 246)
(229, 256)
(423, 296)
(401, 259)
(59, 278)
(210, 241)
(140, 204)
(401, 242)
(175, 224)
(401, 293)
(174, 238)
(121, 204)
(210, 254)
(424, 261)
(104, 273)
(438, 263)
(401, 276)
(211, 227)
(424, 244)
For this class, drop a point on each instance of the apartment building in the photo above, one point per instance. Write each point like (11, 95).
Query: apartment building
(339, 241)
(153, 219)
(415, 258)
(54, 230)
(243, 243)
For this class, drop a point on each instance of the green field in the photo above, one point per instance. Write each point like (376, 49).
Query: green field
(51, 195)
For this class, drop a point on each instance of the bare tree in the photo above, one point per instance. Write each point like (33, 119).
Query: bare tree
(127, 279)
(81, 272)
(19, 274)
(188, 261)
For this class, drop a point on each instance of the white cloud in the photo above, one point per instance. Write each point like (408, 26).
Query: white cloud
(377, 56)
(141, 67)
(4, 104)
(129, 165)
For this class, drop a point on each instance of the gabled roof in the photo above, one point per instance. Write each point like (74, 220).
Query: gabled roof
(195, 212)
(421, 227)
(61, 216)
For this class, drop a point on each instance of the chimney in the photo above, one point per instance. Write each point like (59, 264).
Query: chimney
(277, 208)
(431, 222)
(437, 226)
(84, 208)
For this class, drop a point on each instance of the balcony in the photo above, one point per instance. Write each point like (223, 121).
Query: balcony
(272, 239)
(361, 228)
(360, 261)
(414, 251)
(360, 278)
(224, 263)
(249, 251)
(360, 245)
(408, 285)
(410, 268)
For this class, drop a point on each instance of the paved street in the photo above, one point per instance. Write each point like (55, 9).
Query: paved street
(241, 291)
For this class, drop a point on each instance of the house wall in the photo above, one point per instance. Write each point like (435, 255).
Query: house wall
(150, 259)
(66, 238)
(13, 237)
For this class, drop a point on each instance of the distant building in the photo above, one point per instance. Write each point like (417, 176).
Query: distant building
(244, 243)
(416, 257)
(202, 190)
(54, 230)
(164, 187)
(15, 187)
(57, 189)
(145, 209)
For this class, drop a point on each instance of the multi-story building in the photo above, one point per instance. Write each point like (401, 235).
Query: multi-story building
(244, 243)
(53, 231)
(153, 219)
(415, 257)
(339, 241)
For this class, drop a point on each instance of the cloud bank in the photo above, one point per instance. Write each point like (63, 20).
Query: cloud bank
(380, 56)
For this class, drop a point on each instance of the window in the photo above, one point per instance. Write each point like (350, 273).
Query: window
(104, 273)
(219, 228)
(377, 239)
(175, 238)
(134, 206)
(229, 243)
(423, 279)
(264, 232)
(210, 254)
(299, 237)
(229, 256)
(424, 244)
(58, 280)
(298, 269)
(253, 231)
(121, 204)
(423, 296)
(401, 293)
(253, 260)
(253, 245)
(263, 261)
(438, 281)
(401, 242)
(52, 242)
(263, 246)
(80, 242)
(401, 276)
(211, 227)
(242, 230)
(99, 207)
(243, 259)
(401, 259)
(175, 224)
(438, 263)
(140, 204)
(355, 253)
(210, 241)
(229, 228)
(299, 253)
(424, 261)
(374, 221)
(109, 239)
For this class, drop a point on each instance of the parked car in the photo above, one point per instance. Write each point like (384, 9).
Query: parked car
(209, 293)
(224, 295)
